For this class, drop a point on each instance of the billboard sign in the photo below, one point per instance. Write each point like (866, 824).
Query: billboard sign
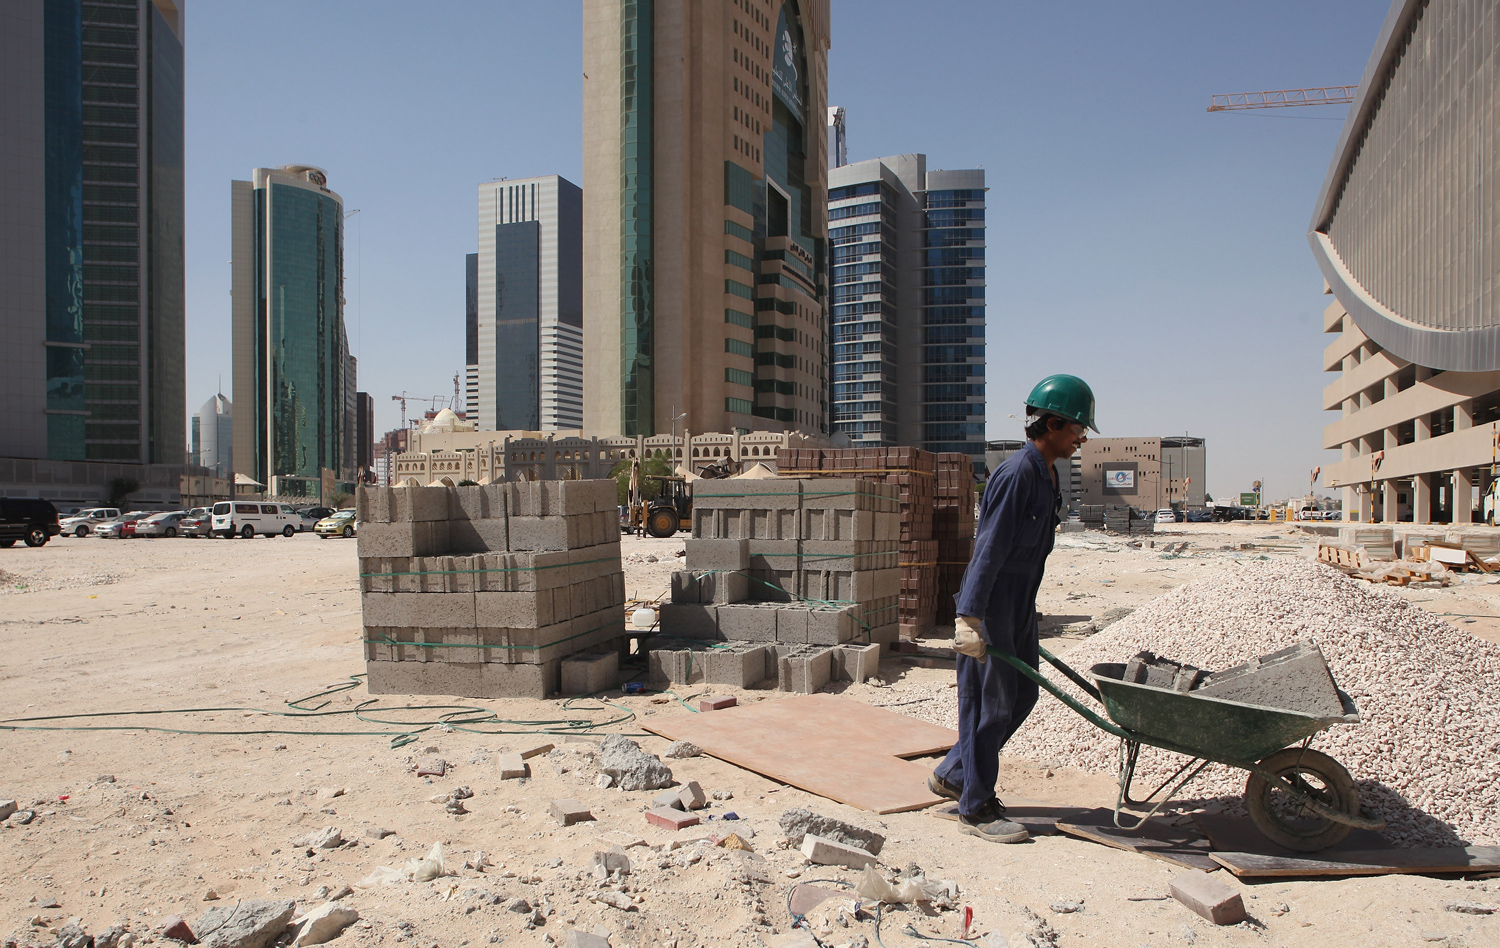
(1120, 479)
(1251, 499)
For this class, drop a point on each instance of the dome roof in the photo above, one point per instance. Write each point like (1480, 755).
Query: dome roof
(444, 419)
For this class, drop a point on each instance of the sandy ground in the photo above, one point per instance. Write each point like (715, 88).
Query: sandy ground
(134, 826)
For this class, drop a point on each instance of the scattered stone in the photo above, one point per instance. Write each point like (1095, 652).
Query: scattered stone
(671, 799)
(341, 892)
(692, 796)
(1210, 898)
(176, 929)
(797, 822)
(210, 896)
(50, 903)
(513, 767)
(568, 811)
(631, 767)
(612, 861)
(253, 923)
(105, 778)
(830, 852)
(536, 750)
(324, 923)
(379, 832)
(1067, 908)
(455, 806)
(432, 767)
(670, 819)
(798, 938)
(578, 939)
(1434, 936)
(72, 935)
(1472, 908)
(518, 905)
(22, 817)
(604, 781)
(621, 839)
(618, 900)
(113, 937)
(331, 793)
(717, 704)
(7, 807)
(683, 749)
(329, 837)
(477, 862)
(462, 793)
(723, 794)
(737, 842)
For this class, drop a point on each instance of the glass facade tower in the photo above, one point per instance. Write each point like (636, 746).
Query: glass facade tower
(291, 353)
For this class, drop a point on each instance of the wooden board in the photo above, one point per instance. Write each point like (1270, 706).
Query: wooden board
(1040, 819)
(1238, 834)
(1179, 845)
(1364, 862)
(829, 745)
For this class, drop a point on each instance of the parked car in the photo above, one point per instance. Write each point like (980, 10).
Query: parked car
(86, 520)
(1166, 515)
(110, 529)
(1200, 516)
(31, 520)
(317, 513)
(161, 525)
(197, 523)
(243, 519)
(340, 523)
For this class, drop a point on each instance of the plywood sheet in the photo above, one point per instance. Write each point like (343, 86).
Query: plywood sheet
(1238, 834)
(1040, 819)
(1179, 845)
(1364, 862)
(829, 745)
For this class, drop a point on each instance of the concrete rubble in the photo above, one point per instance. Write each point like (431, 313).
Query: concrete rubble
(797, 822)
(490, 591)
(630, 767)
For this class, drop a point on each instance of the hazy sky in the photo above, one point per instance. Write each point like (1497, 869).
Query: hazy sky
(1135, 239)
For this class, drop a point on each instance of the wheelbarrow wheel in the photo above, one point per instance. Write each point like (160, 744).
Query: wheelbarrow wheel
(1282, 819)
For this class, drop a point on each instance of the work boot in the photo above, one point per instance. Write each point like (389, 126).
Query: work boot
(940, 787)
(990, 823)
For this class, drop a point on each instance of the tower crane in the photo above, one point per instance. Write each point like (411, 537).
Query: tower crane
(1282, 98)
(402, 399)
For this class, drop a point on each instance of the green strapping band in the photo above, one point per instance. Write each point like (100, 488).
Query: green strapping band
(475, 572)
(387, 640)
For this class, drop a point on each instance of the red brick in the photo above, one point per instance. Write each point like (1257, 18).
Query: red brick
(1208, 897)
(717, 704)
(670, 819)
(176, 929)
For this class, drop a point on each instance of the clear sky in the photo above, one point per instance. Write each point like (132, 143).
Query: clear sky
(1135, 239)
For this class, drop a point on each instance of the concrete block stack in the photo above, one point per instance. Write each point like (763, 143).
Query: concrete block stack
(486, 591)
(913, 472)
(788, 572)
(953, 527)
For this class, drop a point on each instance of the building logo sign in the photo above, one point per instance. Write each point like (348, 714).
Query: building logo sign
(1119, 480)
(786, 80)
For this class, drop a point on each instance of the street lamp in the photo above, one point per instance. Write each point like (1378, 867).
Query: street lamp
(675, 420)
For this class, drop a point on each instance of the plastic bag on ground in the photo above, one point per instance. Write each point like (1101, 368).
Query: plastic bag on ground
(873, 886)
(416, 870)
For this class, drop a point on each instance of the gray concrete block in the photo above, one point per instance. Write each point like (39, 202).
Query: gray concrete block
(804, 669)
(589, 673)
(770, 585)
(747, 622)
(784, 494)
(677, 666)
(373, 505)
(791, 624)
(718, 554)
(690, 620)
(775, 524)
(740, 664)
(403, 538)
(418, 610)
(856, 663)
(538, 533)
(512, 767)
(885, 636)
(478, 536)
(420, 504)
(833, 523)
(837, 493)
(546, 570)
(831, 625)
(462, 679)
(827, 852)
(382, 573)
(684, 587)
(887, 525)
(1295, 678)
(1209, 897)
(516, 610)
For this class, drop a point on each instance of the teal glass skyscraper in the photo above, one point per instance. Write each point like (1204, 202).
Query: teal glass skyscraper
(291, 351)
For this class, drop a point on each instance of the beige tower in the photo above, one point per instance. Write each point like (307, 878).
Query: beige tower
(705, 222)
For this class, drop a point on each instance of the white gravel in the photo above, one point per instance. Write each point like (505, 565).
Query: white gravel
(1425, 755)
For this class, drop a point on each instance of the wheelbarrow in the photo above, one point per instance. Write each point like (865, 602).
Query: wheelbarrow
(1300, 798)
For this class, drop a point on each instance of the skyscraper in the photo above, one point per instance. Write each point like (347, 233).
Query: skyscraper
(91, 294)
(213, 428)
(529, 318)
(471, 336)
(293, 374)
(705, 184)
(908, 304)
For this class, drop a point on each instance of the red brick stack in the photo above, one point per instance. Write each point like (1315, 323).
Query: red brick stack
(953, 526)
(914, 472)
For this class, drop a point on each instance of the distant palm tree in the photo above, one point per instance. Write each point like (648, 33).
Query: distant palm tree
(338, 499)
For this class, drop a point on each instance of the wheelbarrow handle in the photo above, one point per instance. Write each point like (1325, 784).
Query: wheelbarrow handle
(1057, 692)
(1073, 676)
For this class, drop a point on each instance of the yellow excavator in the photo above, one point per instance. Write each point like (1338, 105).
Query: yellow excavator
(671, 509)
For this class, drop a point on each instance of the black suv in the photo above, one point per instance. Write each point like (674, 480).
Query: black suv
(31, 520)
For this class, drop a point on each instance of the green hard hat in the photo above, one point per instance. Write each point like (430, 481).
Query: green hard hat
(1066, 396)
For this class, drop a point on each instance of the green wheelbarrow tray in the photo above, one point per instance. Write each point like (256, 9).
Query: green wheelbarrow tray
(1204, 729)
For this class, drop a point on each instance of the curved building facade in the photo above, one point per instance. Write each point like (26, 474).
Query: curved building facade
(1405, 232)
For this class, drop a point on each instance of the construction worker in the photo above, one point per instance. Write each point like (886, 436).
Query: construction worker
(996, 603)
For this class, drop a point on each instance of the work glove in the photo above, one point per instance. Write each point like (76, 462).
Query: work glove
(968, 638)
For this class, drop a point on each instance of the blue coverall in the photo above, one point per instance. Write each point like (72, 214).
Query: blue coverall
(1017, 520)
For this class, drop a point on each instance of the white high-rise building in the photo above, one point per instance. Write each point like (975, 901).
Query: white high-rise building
(529, 279)
(214, 432)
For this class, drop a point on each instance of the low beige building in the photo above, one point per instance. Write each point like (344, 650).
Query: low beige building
(1144, 473)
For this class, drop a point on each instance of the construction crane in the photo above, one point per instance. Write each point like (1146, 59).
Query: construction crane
(402, 399)
(840, 143)
(1282, 98)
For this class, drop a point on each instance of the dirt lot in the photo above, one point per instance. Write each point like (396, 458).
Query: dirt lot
(134, 826)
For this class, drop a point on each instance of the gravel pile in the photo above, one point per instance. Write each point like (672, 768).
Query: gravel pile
(1427, 753)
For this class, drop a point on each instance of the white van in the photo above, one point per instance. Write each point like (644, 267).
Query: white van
(244, 518)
